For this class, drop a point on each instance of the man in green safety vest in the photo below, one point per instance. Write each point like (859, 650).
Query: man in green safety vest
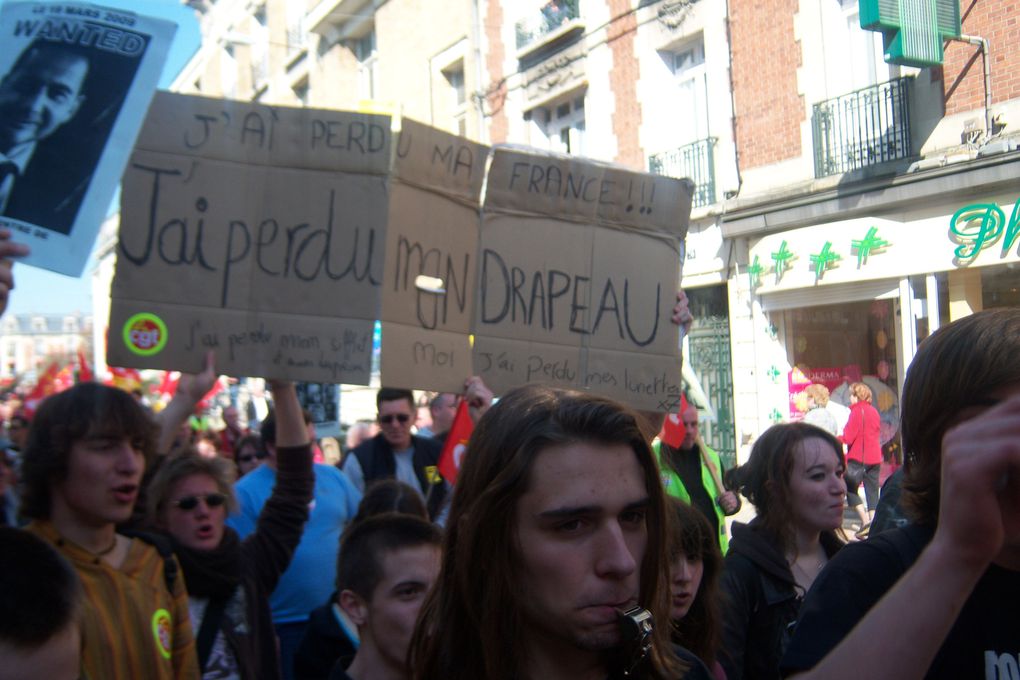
(693, 473)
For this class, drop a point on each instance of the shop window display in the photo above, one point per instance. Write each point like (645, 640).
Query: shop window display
(839, 344)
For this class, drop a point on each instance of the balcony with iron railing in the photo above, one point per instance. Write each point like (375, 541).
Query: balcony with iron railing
(695, 161)
(550, 19)
(862, 128)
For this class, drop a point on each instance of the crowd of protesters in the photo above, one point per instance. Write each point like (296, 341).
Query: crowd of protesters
(574, 543)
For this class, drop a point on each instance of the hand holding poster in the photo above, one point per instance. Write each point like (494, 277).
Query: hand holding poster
(77, 80)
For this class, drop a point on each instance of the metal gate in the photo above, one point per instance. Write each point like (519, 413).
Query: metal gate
(709, 360)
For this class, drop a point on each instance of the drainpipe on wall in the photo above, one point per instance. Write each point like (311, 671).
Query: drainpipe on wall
(982, 43)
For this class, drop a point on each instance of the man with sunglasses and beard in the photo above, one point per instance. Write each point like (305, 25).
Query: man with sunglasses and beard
(396, 453)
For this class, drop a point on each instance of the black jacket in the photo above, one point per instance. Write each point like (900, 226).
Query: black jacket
(324, 643)
(761, 600)
(376, 459)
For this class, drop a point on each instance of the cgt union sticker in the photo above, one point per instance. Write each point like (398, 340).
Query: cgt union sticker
(145, 334)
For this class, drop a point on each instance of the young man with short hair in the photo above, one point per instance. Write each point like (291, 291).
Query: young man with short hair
(387, 564)
(81, 475)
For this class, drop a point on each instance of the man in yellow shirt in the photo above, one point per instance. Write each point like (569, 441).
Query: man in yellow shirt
(82, 472)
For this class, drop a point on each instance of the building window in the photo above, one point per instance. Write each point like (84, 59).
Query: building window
(560, 126)
(457, 96)
(688, 67)
(368, 64)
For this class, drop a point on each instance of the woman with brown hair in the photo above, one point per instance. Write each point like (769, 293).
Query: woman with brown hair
(794, 478)
(229, 580)
(864, 452)
(695, 566)
(936, 598)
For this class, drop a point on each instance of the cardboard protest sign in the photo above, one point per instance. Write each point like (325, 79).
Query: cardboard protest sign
(432, 233)
(77, 80)
(255, 231)
(578, 272)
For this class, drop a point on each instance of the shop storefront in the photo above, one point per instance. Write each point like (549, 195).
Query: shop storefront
(847, 300)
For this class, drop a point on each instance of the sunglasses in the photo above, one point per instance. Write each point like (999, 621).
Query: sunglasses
(247, 459)
(402, 418)
(212, 500)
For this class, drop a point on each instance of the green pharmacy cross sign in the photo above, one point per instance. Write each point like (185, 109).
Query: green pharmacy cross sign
(871, 243)
(912, 30)
(783, 259)
(824, 260)
(754, 272)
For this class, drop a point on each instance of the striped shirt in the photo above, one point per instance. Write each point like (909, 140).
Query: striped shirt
(133, 627)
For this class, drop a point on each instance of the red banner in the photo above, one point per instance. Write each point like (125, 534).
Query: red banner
(456, 443)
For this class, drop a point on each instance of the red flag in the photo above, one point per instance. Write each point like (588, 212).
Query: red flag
(54, 379)
(169, 384)
(673, 430)
(126, 379)
(84, 372)
(456, 443)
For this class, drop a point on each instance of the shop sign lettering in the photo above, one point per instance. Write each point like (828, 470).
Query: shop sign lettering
(981, 225)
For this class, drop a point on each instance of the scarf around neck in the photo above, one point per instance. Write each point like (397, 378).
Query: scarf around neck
(211, 573)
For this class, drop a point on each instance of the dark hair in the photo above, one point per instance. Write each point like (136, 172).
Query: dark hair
(692, 535)
(394, 394)
(359, 565)
(252, 440)
(470, 625)
(391, 495)
(765, 478)
(41, 46)
(957, 367)
(42, 595)
(86, 410)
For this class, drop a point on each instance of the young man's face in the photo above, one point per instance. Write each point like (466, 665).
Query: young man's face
(102, 483)
(42, 94)
(389, 618)
(582, 531)
(395, 420)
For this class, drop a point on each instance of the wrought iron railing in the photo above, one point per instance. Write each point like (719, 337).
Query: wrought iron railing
(694, 160)
(551, 16)
(862, 128)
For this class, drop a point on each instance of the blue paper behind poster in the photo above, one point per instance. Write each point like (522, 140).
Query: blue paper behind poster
(77, 81)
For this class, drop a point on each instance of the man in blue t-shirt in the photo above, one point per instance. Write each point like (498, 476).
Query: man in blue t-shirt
(309, 580)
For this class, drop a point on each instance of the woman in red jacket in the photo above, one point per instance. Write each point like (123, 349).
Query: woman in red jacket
(864, 452)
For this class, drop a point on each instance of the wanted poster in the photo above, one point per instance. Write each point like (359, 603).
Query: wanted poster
(75, 84)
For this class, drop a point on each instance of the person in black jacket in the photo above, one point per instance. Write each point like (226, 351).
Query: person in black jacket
(395, 452)
(794, 478)
(332, 637)
(230, 580)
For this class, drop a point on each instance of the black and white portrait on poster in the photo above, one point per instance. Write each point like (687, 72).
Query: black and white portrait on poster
(75, 84)
(322, 401)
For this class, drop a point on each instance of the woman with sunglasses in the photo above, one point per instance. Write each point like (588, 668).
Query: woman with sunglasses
(229, 580)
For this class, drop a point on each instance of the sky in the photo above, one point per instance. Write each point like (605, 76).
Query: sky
(38, 291)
